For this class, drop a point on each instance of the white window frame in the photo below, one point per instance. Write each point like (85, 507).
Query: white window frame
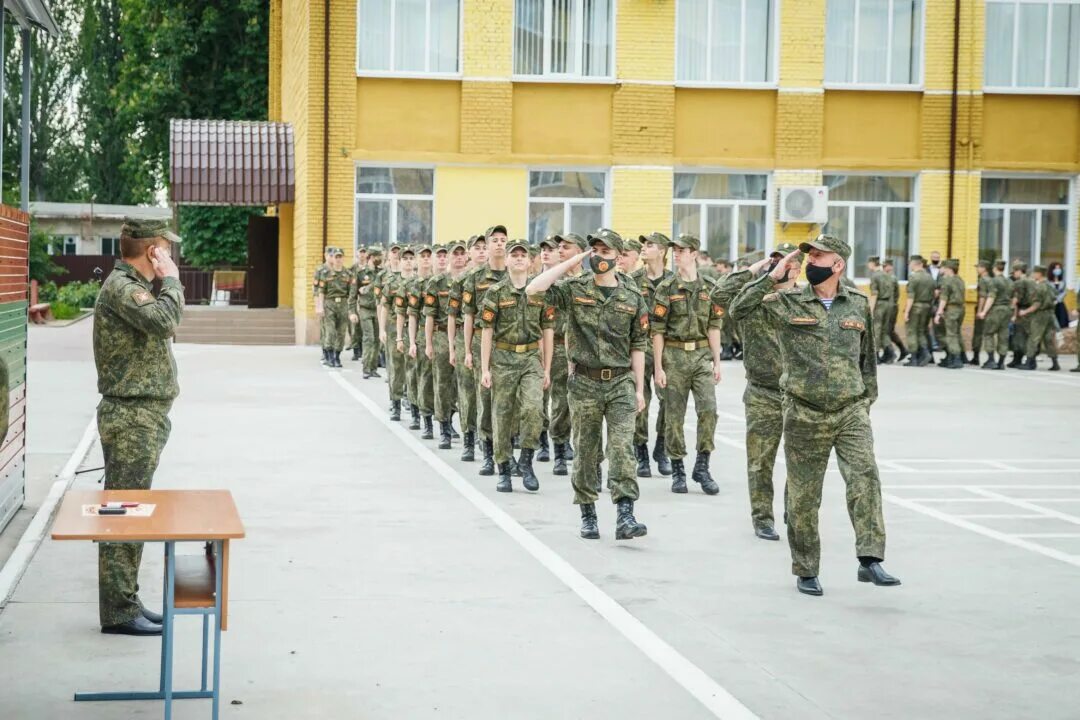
(1069, 206)
(920, 51)
(1015, 89)
(421, 74)
(392, 197)
(704, 203)
(774, 44)
(604, 203)
(575, 77)
(912, 205)
(115, 241)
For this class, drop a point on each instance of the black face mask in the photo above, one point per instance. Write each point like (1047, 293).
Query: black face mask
(818, 274)
(935, 262)
(601, 265)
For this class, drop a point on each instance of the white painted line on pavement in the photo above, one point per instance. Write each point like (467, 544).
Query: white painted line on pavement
(31, 538)
(960, 522)
(1024, 504)
(1048, 535)
(1002, 466)
(1002, 516)
(999, 487)
(693, 679)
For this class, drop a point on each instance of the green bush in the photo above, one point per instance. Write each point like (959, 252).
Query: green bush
(63, 311)
(47, 292)
(79, 294)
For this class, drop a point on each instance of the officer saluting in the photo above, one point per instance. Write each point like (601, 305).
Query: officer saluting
(607, 331)
(829, 382)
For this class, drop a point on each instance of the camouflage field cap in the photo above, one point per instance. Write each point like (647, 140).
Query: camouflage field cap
(521, 244)
(1041, 269)
(143, 229)
(873, 259)
(917, 258)
(607, 237)
(443, 248)
(632, 244)
(1019, 266)
(338, 252)
(421, 249)
(657, 238)
(374, 250)
(473, 239)
(396, 246)
(783, 249)
(999, 264)
(452, 246)
(827, 243)
(686, 241)
(495, 229)
(887, 261)
(534, 250)
(551, 241)
(954, 263)
(576, 239)
(407, 249)
(983, 264)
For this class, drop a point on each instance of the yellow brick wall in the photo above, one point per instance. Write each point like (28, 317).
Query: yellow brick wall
(295, 89)
(487, 38)
(645, 40)
(799, 129)
(273, 94)
(487, 118)
(802, 43)
(641, 200)
(938, 41)
(643, 123)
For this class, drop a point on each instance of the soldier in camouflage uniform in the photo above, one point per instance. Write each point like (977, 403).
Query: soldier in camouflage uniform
(365, 307)
(883, 301)
(1023, 297)
(829, 381)
(332, 306)
(997, 310)
(473, 288)
(512, 324)
(607, 328)
(384, 284)
(549, 258)
(425, 377)
(763, 398)
(648, 277)
(920, 296)
(395, 301)
(466, 378)
(727, 332)
(137, 380)
(320, 274)
(950, 313)
(983, 291)
(1042, 327)
(356, 333)
(438, 350)
(569, 246)
(685, 326)
(890, 327)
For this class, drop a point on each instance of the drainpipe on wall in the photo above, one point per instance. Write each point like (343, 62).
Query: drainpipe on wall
(326, 119)
(953, 119)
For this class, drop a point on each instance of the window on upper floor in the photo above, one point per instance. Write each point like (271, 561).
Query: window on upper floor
(727, 212)
(874, 215)
(873, 42)
(408, 36)
(1032, 45)
(1024, 219)
(394, 205)
(564, 38)
(565, 201)
(725, 41)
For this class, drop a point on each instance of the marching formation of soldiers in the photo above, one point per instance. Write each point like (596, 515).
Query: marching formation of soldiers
(557, 350)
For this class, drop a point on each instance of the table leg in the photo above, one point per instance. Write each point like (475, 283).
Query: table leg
(219, 602)
(205, 640)
(167, 625)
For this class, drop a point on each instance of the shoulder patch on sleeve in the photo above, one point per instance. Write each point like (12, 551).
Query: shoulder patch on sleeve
(488, 315)
(771, 297)
(660, 311)
(717, 311)
(142, 297)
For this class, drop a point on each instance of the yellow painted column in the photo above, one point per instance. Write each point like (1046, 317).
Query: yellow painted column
(286, 217)
(641, 200)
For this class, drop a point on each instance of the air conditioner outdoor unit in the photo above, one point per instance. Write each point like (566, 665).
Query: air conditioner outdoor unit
(804, 204)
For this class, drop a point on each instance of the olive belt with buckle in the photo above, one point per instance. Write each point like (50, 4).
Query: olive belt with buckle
(600, 373)
(336, 299)
(687, 346)
(522, 348)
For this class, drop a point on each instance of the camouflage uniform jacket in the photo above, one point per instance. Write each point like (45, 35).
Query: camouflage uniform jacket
(453, 300)
(883, 286)
(647, 285)
(828, 356)
(475, 285)
(921, 287)
(761, 345)
(320, 274)
(684, 310)
(601, 331)
(365, 278)
(437, 298)
(396, 294)
(1002, 291)
(515, 317)
(336, 284)
(952, 292)
(132, 329)
(560, 317)
(1024, 292)
(1046, 296)
(415, 294)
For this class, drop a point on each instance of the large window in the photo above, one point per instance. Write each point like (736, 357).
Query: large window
(110, 246)
(393, 205)
(408, 36)
(563, 37)
(873, 42)
(727, 212)
(565, 201)
(1032, 44)
(725, 41)
(1024, 219)
(874, 215)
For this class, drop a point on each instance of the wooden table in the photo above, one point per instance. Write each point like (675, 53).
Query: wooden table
(195, 584)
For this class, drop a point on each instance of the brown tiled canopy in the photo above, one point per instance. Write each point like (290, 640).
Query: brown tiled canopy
(226, 162)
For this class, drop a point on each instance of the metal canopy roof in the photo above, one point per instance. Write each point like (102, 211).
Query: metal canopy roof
(229, 162)
(32, 13)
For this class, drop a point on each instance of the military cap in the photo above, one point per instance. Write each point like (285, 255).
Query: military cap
(1019, 265)
(576, 239)
(374, 250)
(783, 249)
(494, 229)
(454, 245)
(983, 264)
(827, 243)
(534, 250)
(686, 241)
(999, 264)
(473, 239)
(657, 238)
(422, 248)
(396, 246)
(918, 258)
(408, 249)
(632, 244)
(144, 229)
(338, 252)
(608, 237)
(954, 263)
(551, 241)
(887, 261)
(516, 244)
(873, 259)
(441, 248)
(1041, 269)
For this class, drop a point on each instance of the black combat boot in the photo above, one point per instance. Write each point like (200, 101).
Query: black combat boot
(957, 362)
(325, 357)
(415, 424)
(1017, 359)
(659, 454)
(559, 466)
(355, 354)
(337, 359)
(1054, 367)
(444, 435)
(702, 476)
(915, 360)
(528, 477)
(626, 526)
(990, 363)
(569, 452)
(643, 468)
(429, 430)
(542, 454)
(974, 358)
(488, 465)
(504, 484)
(678, 477)
(726, 353)
(515, 468)
(395, 411)
(467, 452)
(1000, 363)
(903, 353)
(1031, 364)
(589, 530)
(888, 357)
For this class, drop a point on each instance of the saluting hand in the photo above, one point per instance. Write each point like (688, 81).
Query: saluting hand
(163, 264)
(786, 263)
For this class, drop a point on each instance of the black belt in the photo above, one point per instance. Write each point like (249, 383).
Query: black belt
(520, 348)
(601, 373)
(687, 345)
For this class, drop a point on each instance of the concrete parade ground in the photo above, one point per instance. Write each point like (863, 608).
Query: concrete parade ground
(383, 578)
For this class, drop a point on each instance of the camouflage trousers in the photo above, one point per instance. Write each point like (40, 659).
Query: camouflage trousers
(559, 427)
(809, 438)
(133, 434)
(641, 422)
(445, 379)
(688, 372)
(996, 330)
(592, 403)
(483, 396)
(370, 331)
(883, 312)
(917, 338)
(1042, 330)
(395, 365)
(517, 380)
(954, 321)
(356, 340)
(1021, 330)
(425, 379)
(335, 323)
(466, 386)
(764, 428)
(978, 329)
